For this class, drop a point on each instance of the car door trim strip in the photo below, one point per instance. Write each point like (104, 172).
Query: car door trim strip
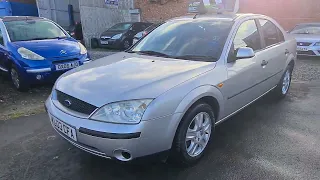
(235, 112)
(254, 85)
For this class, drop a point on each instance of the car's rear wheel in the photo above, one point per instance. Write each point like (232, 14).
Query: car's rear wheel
(17, 80)
(283, 87)
(193, 134)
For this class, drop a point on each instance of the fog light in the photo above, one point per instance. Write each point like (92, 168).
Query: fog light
(39, 77)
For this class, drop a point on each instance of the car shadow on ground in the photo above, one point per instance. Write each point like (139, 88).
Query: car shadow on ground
(226, 141)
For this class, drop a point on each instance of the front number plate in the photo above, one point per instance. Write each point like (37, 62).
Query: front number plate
(64, 128)
(302, 49)
(104, 42)
(67, 65)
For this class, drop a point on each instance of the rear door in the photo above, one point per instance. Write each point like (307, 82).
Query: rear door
(274, 52)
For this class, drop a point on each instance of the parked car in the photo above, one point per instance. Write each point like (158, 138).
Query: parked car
(141, 34)
(36, 50)
(308, 39)
(170, 90)
(120, 36)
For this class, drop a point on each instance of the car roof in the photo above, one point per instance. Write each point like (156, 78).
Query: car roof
(19, 18)
(223, 16)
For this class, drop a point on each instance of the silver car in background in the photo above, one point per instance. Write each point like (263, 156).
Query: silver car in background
(170, 90)
(308, 39)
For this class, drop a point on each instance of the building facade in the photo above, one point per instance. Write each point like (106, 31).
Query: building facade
(287, 12)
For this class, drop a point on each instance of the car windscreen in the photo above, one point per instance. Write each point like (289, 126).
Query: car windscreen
(120, 27)
(28, 30)
(198, 40)
(306, 29)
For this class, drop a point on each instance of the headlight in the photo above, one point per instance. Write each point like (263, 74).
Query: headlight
(83, 49)
(317, 44)
(125, 112)
(118, 36)
(27, 54)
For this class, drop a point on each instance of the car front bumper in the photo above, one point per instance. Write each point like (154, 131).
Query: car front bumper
(110, 43)
(308, 50)
(48, 73)
(110, 140)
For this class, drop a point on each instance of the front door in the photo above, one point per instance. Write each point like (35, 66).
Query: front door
(244, 75)
(3, 53)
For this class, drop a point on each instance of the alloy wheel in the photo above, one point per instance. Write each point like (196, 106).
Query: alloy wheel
(198, 134)
(286, 82)
(126, 44)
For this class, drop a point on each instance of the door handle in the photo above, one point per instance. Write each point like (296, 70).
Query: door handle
(286, 52)
(264, 63)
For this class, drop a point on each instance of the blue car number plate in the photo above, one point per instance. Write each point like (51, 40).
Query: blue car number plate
(67, 65)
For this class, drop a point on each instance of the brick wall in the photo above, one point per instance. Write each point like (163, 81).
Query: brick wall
(155, 12)
(286, 12)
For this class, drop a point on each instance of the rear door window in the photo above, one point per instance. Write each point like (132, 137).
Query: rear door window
(271, 33)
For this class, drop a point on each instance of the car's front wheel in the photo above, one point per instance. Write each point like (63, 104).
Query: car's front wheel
(193, 134)
(17, 80)
(126, 44)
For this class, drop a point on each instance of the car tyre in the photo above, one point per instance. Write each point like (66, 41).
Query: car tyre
(126, 44)
(94, 43)
(193, 135)
(17, 81)
(283, 86)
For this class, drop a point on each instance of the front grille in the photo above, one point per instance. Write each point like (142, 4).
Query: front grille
(308, 53)
(66, 60)
(303, 43)
(75, 104)
(105, 38)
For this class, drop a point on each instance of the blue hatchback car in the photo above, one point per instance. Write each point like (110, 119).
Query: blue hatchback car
(35, 50)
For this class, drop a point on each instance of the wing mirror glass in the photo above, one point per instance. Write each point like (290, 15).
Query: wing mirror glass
(245, 52)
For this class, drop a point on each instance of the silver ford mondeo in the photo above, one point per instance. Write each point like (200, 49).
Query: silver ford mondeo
(170, 90)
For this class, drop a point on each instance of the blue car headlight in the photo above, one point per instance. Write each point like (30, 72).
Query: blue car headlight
(124, 112)
(83, 50)
(27, 54)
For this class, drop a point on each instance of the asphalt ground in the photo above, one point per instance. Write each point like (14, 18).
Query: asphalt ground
(268, 140)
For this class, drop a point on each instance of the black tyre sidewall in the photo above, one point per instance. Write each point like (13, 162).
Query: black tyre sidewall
(23, 86)
(180, 154)
(278, 90)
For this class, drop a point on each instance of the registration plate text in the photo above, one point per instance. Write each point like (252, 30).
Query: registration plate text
(302, 49)
(64, 128)
(65, 66)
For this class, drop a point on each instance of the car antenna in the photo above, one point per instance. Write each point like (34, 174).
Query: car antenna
(195, 16)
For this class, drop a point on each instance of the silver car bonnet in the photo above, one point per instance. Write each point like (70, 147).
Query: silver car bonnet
(100, 82)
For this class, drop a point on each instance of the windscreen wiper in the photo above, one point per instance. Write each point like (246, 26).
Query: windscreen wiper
(196, 58)
(153, 53)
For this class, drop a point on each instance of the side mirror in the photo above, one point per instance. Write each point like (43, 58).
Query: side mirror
(245, 52)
